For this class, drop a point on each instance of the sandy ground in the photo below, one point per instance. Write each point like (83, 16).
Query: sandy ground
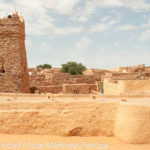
(46, 142)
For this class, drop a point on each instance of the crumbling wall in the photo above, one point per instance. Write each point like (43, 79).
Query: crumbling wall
(48, 81)
(37, 80)
(76, 79)
(56, 70)
(50, 89)
(114, 80)
(128, 76)
(78, 88)
(130, 69)
(94, 72)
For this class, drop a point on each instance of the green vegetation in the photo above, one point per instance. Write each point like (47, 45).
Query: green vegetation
(73, 68)
(45, 66)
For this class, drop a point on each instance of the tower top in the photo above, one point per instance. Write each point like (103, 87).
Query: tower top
(15, 15)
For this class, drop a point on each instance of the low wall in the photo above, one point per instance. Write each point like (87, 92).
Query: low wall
(113, 87)
(53, 79)
(136, 85)
(128, 122)
(117, 87)
(50, 89)
(80, 118)
(78, 88)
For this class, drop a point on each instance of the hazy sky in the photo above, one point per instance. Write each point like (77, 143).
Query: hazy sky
(97, 33)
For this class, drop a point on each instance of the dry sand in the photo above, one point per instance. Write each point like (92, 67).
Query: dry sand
(46, 142)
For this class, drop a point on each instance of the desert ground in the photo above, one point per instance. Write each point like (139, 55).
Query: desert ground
(73, 122)
(49, 142)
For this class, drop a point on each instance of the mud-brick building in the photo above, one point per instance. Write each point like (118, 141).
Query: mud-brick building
(14, 76)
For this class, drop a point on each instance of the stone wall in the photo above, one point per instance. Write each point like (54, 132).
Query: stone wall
(13, 73)
(95, 72)
(114, 79)
(78, 88)
(50, 89)
(128, 76)
(49, 81)
(130, 69)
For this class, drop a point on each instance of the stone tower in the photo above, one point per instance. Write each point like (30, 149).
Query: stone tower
(14, 76)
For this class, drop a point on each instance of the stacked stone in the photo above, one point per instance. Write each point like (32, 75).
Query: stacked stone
(14, 78)
(53, 83)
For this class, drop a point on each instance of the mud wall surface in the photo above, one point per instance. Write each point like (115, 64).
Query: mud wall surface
(117, 87)
(137, 85)
(133, 123)
(53, 82)
(113, 87)
(50, 89)
(82, 118)
(78, 88)
(126, 121)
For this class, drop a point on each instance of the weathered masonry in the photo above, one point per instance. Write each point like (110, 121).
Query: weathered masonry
(14, 76)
